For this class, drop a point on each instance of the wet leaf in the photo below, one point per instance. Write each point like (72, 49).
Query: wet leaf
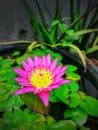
(71, 68)
(76, 114)
(73, 101)
(34, 103)
(90, 105)
(63, 125)
(12, 117)
(50, 120)
(62, 93)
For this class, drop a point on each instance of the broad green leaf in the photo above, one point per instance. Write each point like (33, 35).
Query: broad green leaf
(30, 116)
(74, 87)
(73, 100)
(53, 97)
(90, 105)
(7, 63)
(69, 32)
(34, 102)
(25, 126)
(4, 97)
(55, 22)
(12, 117)
(11, 102)
(84, 128)
(50, 120)
(39, 126)
(62, 93)
(71, 68)
(19, 60)
(62, 27)
(63, 125)
(76, 114)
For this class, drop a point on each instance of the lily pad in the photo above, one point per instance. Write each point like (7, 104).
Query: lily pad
(34, 103)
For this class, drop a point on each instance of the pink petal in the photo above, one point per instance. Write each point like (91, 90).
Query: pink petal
(36, 61)
(22, 81)
(44, 61)
(61, 81)
(48, 59)
(57, 70)
(20, 72)
(64, 81)
(23, 90)
(26, 66)
(30, 62)
(64, 68)
(44, 96)
(53, 87)
(60, 75)
(53, 64)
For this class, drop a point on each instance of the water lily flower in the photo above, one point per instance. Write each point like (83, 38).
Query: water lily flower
(40, 76)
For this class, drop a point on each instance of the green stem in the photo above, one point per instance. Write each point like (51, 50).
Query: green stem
(91, 50)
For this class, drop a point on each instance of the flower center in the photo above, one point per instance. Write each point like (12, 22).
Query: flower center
(41, 78)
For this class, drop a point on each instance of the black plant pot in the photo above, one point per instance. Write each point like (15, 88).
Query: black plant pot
(89, 80)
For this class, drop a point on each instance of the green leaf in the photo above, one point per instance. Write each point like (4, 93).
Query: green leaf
(30, 11)
(71, 68)
(39, 126)
(19, 60)
(55, 22)
(69, 32)
(16, 53)
(73, 100)
(53, 34)
(90, 105)
(7, 63)
(92, 49)
(4, 95)
(12, 117)
(74, 87)
(73, 76)
(76, 114)
(44, 34)
(11, 102)
(85, 31)
(34, 102)
(41, 14)
(30, 116)
(62, 27)
(63, 125)
(50, 120)
(84, 128)
(62, 93)
(53, 97)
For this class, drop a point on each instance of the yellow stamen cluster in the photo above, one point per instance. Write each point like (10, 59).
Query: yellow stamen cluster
(41, 78)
